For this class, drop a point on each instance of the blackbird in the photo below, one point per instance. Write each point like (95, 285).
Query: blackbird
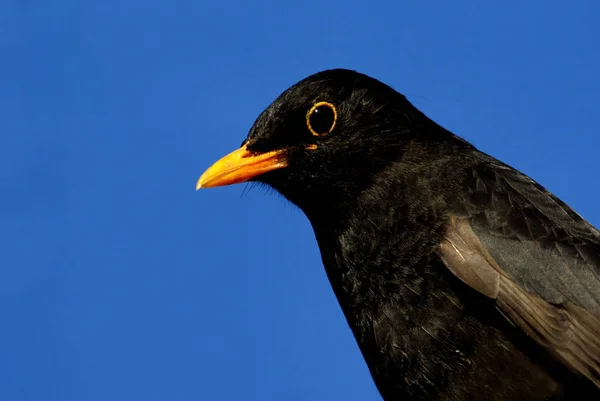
(460, 277)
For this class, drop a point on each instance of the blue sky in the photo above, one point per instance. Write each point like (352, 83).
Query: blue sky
(118, 281)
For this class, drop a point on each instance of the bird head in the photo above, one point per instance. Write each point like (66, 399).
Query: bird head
(323, 140)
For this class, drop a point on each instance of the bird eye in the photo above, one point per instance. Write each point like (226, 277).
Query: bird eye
(321, 118)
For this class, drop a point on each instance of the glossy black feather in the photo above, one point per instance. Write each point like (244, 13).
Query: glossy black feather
(436, 251)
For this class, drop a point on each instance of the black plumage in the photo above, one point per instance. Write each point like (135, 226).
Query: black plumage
(460, 277)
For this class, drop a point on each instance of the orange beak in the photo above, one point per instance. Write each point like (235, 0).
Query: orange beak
(239, 166)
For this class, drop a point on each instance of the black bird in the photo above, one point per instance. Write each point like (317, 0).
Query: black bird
(460, 277)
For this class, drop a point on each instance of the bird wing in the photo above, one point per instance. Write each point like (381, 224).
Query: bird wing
(515, 242)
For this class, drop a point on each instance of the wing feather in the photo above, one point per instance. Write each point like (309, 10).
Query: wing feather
(516, 243)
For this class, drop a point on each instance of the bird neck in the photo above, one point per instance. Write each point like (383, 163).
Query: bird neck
(359, 240)
(364, 236)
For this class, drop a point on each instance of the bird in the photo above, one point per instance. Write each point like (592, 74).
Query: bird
(460, 277)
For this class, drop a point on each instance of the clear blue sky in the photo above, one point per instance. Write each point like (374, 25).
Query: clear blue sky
(119, 282)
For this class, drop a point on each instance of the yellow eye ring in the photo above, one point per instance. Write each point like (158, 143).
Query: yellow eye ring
(321, 118)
